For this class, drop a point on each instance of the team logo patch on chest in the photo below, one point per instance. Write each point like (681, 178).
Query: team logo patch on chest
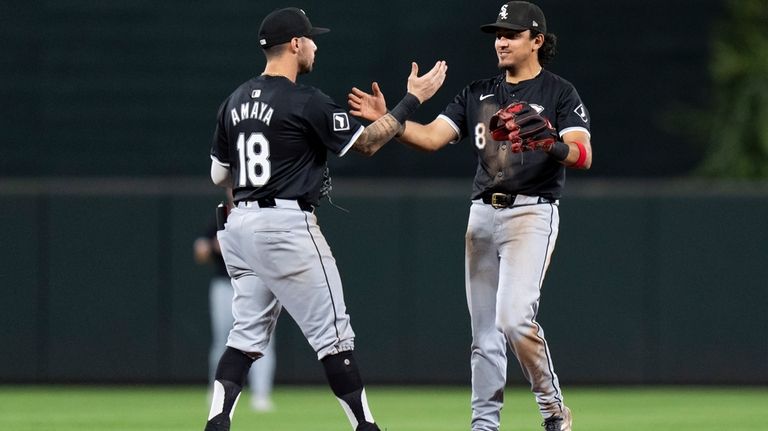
(340, 122)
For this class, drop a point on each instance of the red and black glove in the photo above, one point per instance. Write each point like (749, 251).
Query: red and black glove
(523, 127)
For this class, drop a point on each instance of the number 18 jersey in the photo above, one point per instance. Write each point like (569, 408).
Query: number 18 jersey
(273, 135)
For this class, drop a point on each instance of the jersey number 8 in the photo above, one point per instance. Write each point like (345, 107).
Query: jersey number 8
(480, 135)
(250, 159)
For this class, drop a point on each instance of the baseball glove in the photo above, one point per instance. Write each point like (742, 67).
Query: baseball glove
(523, 127)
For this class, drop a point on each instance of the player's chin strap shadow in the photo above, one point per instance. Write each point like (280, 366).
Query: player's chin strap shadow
(326, 187)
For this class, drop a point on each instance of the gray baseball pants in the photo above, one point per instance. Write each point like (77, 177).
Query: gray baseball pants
(507, 254)
(278, 258)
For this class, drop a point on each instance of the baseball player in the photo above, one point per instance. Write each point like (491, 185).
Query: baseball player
(526, 126)
(270, 146)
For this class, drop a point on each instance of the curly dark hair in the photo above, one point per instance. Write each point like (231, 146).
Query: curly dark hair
(548, 49)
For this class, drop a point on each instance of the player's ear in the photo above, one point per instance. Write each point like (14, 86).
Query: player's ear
(295, 42)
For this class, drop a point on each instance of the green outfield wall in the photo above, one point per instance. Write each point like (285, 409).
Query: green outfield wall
(651, 282)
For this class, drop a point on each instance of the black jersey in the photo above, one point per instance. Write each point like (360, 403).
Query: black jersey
(274, 134)
(532, 173)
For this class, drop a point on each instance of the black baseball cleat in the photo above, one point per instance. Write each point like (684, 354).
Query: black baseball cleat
(367, 426)
(220, 422)
(559, 423)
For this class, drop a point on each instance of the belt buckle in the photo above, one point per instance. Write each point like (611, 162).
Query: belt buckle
(500, 200)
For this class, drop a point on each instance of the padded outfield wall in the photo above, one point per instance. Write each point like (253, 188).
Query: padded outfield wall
(651, 282)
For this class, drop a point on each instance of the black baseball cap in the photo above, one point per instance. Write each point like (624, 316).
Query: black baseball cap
(518, 15)
(282, 25)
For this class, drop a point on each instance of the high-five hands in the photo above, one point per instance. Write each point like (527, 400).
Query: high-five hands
(425, 86)
(367, 106)
(371, 106)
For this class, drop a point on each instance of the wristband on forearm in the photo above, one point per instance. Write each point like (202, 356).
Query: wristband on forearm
(582, 155)
(405, 108)
(559, 151)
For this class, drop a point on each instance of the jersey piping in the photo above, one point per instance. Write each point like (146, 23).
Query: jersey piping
(575, 129)
(453, 125)
(226, 165)
(352, 141)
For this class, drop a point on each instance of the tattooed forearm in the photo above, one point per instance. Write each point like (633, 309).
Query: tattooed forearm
(376, 135)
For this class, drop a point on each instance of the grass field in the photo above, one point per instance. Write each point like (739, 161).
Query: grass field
(169, 408)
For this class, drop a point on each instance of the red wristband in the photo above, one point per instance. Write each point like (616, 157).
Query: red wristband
(582, 155)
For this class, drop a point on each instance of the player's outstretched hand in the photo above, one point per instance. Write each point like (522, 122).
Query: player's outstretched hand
(425, 86)
(370, 107)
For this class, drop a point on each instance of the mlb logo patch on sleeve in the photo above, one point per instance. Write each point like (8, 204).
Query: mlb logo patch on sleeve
(581, 112)
(340, 122)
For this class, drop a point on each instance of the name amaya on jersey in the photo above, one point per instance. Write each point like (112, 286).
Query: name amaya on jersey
(256, 111)
(274, 136)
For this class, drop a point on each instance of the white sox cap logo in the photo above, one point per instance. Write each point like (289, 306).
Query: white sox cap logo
(503, 13)
(340, 122)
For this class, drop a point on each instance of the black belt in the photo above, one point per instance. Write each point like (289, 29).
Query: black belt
(270, 203)
(504, 200)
